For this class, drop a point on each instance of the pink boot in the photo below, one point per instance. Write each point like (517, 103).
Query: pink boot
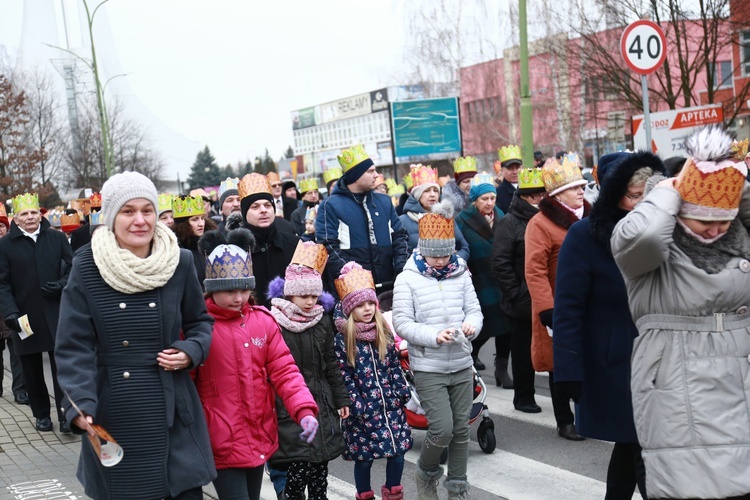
(392, 493)
(367, 495)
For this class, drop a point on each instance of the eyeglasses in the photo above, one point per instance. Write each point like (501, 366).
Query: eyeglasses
(634, 197)
(275, 185)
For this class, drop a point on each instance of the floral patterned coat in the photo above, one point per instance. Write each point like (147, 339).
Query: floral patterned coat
(376, 427)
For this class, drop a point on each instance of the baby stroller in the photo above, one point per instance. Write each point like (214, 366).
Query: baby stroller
(415, 415)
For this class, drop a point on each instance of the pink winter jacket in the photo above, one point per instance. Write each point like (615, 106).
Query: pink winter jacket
(246, 350)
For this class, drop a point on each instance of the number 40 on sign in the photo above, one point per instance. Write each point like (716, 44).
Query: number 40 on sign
(643, 46)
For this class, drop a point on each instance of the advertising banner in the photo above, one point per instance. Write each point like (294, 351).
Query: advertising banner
(346, 108)
(426, 129)
(669, 129)
(303, 118)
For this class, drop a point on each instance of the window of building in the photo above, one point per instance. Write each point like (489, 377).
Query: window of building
(745, 52)
(722, 74)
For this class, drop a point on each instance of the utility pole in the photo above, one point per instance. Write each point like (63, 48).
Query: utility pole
(527, 129)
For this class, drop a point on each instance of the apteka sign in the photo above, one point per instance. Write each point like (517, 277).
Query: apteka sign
(669, 129)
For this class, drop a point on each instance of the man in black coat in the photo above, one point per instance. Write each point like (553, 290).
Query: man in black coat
(34, 265)
(510, 163)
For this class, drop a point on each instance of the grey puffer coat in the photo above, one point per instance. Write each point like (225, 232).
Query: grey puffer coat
(691, 362)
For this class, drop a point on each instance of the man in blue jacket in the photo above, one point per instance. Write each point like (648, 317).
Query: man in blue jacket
(356, 224)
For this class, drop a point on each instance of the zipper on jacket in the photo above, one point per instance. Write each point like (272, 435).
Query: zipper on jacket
(719, 321)
(382, 398)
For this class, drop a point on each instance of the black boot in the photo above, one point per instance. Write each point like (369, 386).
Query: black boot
(502, 379)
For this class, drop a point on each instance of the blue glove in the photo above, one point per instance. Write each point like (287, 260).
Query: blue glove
(309, 428)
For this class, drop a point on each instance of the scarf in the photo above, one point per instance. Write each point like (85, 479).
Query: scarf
(128, 273)
(713, 257)
(366, 332)
(578, 212)
(294, 319)
(439, 274)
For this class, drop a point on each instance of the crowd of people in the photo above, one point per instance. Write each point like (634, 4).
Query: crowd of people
(214, 342)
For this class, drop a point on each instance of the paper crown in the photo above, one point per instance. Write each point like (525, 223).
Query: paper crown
(273, 177)
(739, 149)
(353, 156)
(227, 184)
(164, 202)
(308, 184)
(483, 178)
(54, 216)
(711, 191)
(82, 205)
(26, 201)
(254, 183)
(421, 174)
(312, 255)
(391, 183)
(187, 206)
(332, 174)
(498, 166)
(69, 222)
(437, 231)
(507, 153)
(229, 267)
(311, 213)
(465, 164)
(3, 212)
(396, 190)
(530, 178)
(559, 177)
(357, 278)
(200, 192)
(379, 181)
(96, 218)
(95, 201)
(408, 181)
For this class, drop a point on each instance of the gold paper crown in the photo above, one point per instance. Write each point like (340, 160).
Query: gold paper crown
(227, 184)
(253, 184)
(556, 175)
(391, 183)
(739, 149)
(82, 205)
(26, 201)
(719, 189)
(396, 190)
(54, 216)
(332, 174)
(350, 158)
(498, 166)
(512, 152)
(356, 279)
(187, 206)
(310, 254)
(95, 200)
(3, 212)
(164, 202)
(309, 184)
(69, 222)
(436, 227)
(483, 178)
(311, 213)
(465, 164)
(530, 178)
(421, 174)
(272, 177)
(96, 218)
(408, 181)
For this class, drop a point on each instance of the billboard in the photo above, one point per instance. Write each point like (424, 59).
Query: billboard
(303, 118)
(669, 129)
(426, 129)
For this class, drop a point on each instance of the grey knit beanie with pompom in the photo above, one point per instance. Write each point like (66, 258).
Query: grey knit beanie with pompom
(120, 189)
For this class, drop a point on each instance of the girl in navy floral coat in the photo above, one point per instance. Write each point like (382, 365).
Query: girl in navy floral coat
(378, 392)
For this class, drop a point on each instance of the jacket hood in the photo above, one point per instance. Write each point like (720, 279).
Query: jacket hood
(605, 214)
(558, 214)
(413, 205)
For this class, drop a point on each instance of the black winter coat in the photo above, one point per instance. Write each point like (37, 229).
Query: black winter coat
(25, 266)
(508, 254)
(274, 248)
(314, 352)
(505, 193)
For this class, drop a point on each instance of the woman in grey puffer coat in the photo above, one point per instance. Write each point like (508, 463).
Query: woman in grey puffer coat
(685, 256)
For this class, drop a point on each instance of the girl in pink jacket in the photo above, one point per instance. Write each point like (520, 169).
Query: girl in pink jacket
(247, 350)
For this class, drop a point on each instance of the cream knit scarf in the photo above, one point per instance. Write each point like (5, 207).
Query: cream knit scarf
(127, 273)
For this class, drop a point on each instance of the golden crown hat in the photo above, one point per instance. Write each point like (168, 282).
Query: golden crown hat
(227, 184)
(391, 183)
(464, 164)
(308, 184)
(26, 201)
(96, 218)
(311, 213)
(498, 166)
(530, 178)
(3, 212)
(95, 201)
(164, 202)
(353, 156)
(200, 192)
(312, 255)
(273, 177)
(253, 184)
(436, 227)
(711, 194)
(512, 152)
(483, 178)
(54, 216)
(69, 222)
(739, 149)
(82, 205)
(422, 174)
(356, 279)
(408, 181)
(396, 190)
(558, 176)
(332, 174)
(187, 206)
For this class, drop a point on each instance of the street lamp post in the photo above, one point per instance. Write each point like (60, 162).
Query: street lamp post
(527, 129)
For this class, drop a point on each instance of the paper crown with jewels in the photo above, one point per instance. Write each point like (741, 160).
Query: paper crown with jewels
(96, 218)
(308, 184)
(312, 255)
(332, 174)
(357, 278)
(54, 216)
(391, 183)
(164, 203)
(408, 181)
(95, 201)
(187, 206)
(422, 174)
(26, 201)
(530, 181)
(437, 231)
(464, 164)
(558, 177)
(311, 213)
(253, 184)
(396, 190)
(353, 156)
(229, 264)
(483, 178)
(739, 149)
(69, 222)
(508, 153)
(227, 184)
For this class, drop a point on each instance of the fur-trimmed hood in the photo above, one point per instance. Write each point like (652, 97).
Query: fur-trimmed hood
(558, 214)
(606, 213)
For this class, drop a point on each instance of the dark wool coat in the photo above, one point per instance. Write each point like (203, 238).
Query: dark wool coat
(593, 329)
(508, 254)
(24, 267)
(376, 427)
(480, 237)
(412, 229)
(505, 192)
(106, 361)
(544, 237)
(314, 352)
(274, 248)
(80, 237)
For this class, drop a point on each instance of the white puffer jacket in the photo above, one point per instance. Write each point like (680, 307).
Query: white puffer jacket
(423, 306)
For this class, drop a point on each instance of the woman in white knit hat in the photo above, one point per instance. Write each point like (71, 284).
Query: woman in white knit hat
(133, 324)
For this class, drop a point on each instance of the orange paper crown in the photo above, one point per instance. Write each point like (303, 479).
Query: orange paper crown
(254, 183)
(716, 192)
(96, 200)
(421, 174)
(739, 149)
(272, 177)
(436, 227)
(69, 222)
(311, 255)
(355, 279)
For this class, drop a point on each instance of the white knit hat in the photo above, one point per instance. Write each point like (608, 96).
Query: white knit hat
(120, 189)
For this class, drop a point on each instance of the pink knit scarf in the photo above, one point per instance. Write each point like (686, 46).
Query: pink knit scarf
(294, 319)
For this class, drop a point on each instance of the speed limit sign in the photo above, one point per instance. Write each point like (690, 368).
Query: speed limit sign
(643, 46)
